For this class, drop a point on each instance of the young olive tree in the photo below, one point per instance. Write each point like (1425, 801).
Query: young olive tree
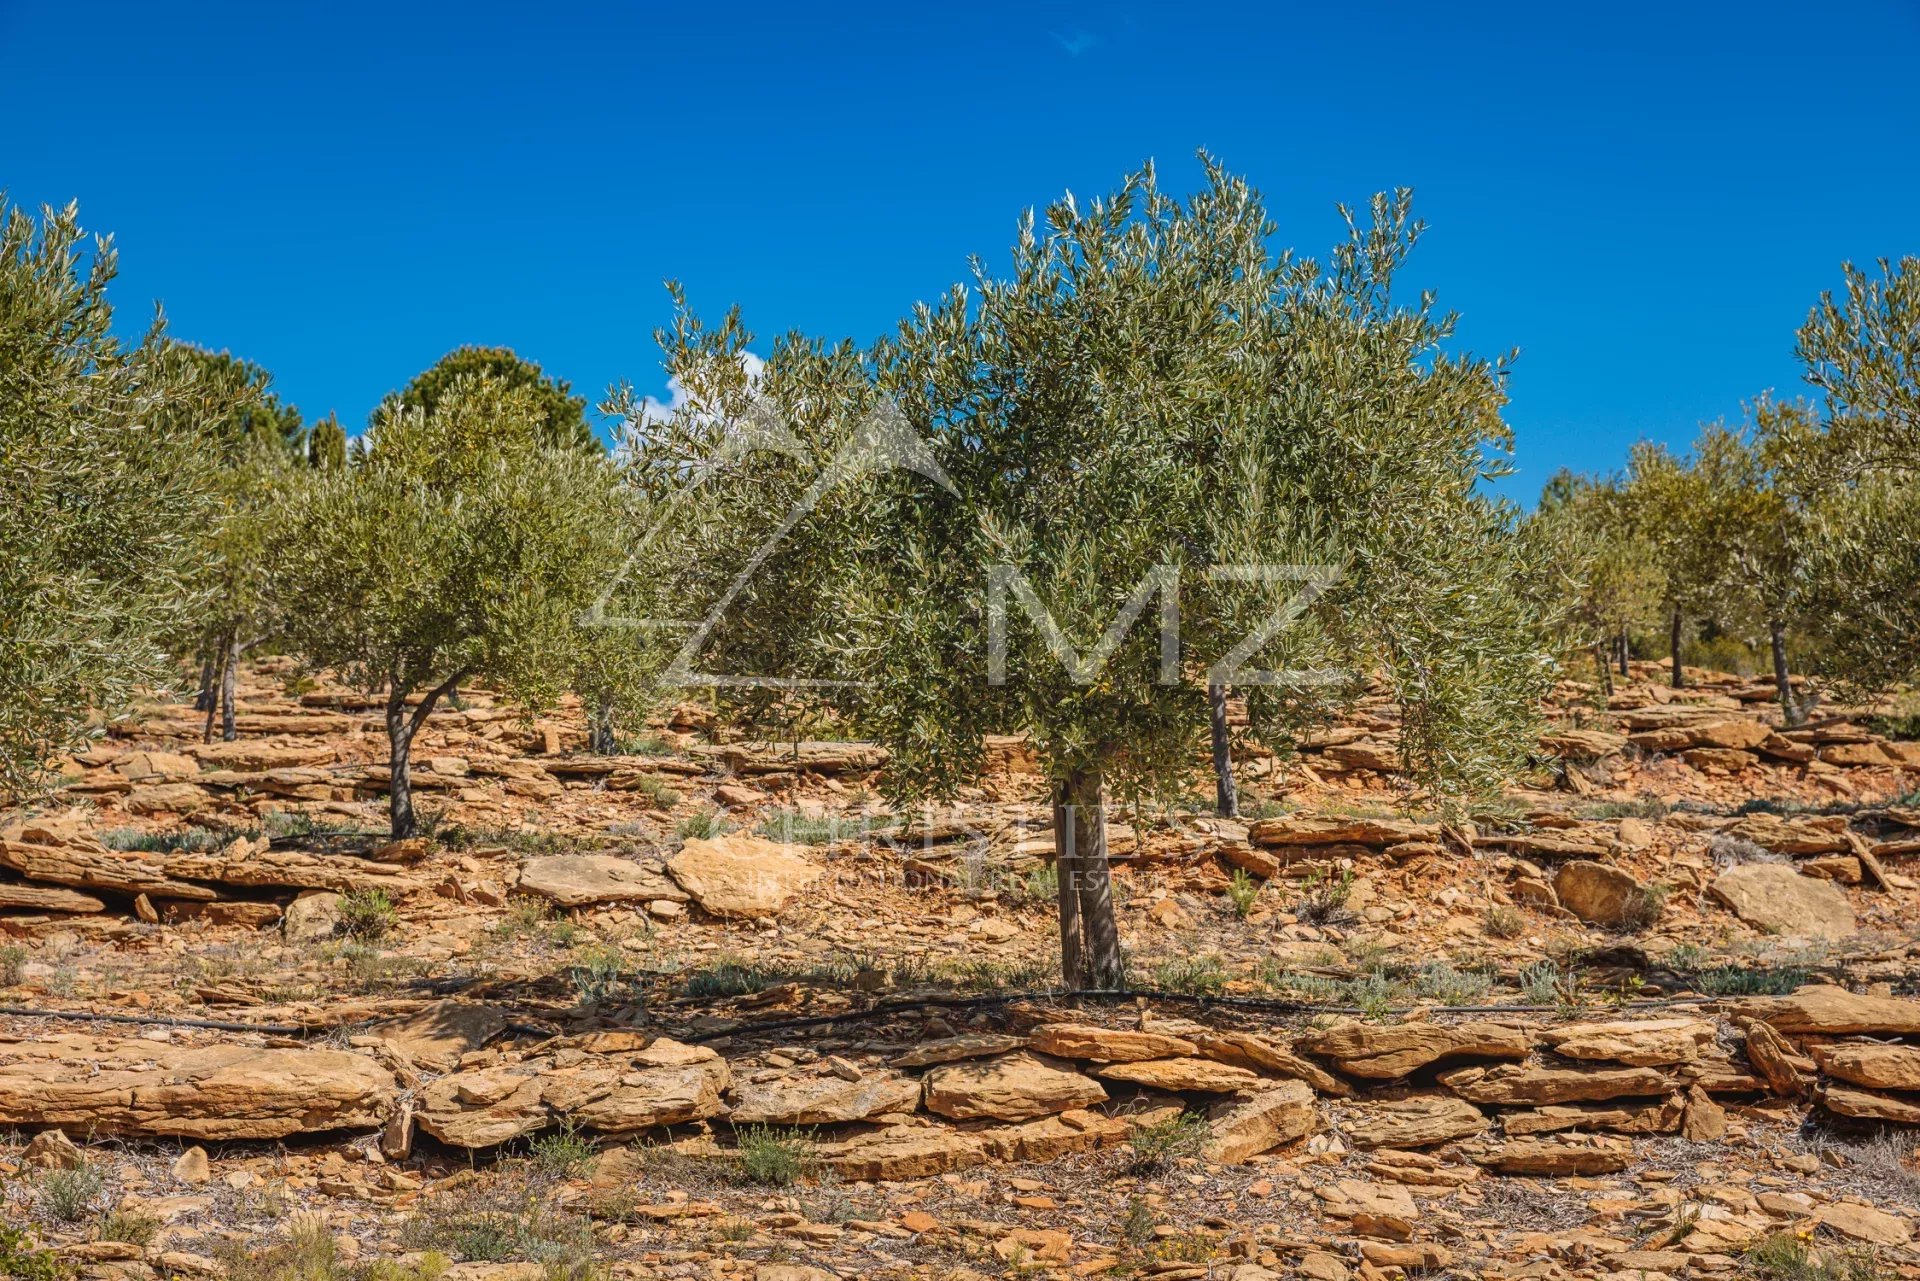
(97, 505)
(1609, 577)
(1154, 420)
(463, 545)
(1862, 352)
(559, 415)
(250, 443)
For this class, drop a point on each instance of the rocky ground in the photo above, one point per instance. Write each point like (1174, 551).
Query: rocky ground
(709, 1008)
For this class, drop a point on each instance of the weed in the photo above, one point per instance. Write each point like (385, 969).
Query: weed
(496, 1224)
(726, 976)
(1159, 1144)
(701, 826)
(561, 1152)
(1197, 975)
(773, 1157)
(1323, 899)
(657, 791)
(599, 975)
(188, 840)
(1505, 921)
(368, 915)
(1040, 888)
(1242, 892)
(1544, 983)
(1136, 1227)
(129, 1226)
(1439, 981)
(1640, 807)
(810, 829)
(1734, 980)
(1643, 910)
(22, 1260)
(524, 916)
(643, 745)
(13, 963)
(71, 1195)
(1786, 1256)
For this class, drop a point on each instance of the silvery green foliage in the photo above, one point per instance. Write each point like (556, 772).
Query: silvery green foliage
(97, 502)
(458, 546)
(1606, 571)
(1862, 351)
(1148, 386)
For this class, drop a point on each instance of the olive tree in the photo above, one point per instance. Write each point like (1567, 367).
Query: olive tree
(97, 505)
(462, 545)
(559, 415)
(1609, 580)
(1153, 417)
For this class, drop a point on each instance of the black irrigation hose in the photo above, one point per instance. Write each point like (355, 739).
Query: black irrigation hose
(161, 1020)
(1263, 1004)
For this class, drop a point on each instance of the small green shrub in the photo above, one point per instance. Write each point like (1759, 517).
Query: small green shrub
(129, 1226)
(773, 1157)
(1763, 980)
(701, 826)
(1194, 975)
(1785, 1256)
(188, 840)
(1323, 898)
(1505, 921)
(1439, 981)
(657, 791)
(368, 915)
(562, 1152)
(22, 1260)
(71, 1195)
(1040, 888)
(600, 975)
(726, 976)
(1242, 891)
(643, 745)
(13, 963)
(1157, 1145)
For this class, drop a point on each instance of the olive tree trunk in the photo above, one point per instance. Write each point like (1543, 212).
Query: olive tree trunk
(1782, 678)
(402, 728)
(1679, 675)
(1605, 668)
(1226, 800)
(229, 676)
(600, 727)
(1626, 652)
(1089, 934)
(203, 701)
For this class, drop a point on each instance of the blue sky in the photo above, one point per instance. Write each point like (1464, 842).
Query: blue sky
(1644, 199)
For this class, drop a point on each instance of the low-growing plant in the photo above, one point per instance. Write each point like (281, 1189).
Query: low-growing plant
(599, 975)
(657, 791)
(562, 1152)
(13, 963)
(1544, 983)
(773, 1157)
(701, 826)
(1137, 1225)
(643, 745)
(726, 976)
(1040, 887)
(1439, 981)
(22, 1260)
(497, 1224)
(1323, 898)
(129, 1226)
(1644, 907)
(1158, 1144)
(1788, 1256)
(1194, 975)
(1759, 980)
(1242, 891)
(71, 1195)
(368, 915)
(1504, 921)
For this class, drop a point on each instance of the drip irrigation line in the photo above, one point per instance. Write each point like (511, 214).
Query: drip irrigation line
(1262, 1004)
(159, 1020)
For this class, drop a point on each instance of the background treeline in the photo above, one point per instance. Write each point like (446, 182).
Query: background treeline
(1791, 538)
(1151, 415)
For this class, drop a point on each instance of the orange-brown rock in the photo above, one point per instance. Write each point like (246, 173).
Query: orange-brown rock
(1382, 1053)
(1018, 1087)
(1091, 1043)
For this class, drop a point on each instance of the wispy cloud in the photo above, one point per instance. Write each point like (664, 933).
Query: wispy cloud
(1075, 41)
